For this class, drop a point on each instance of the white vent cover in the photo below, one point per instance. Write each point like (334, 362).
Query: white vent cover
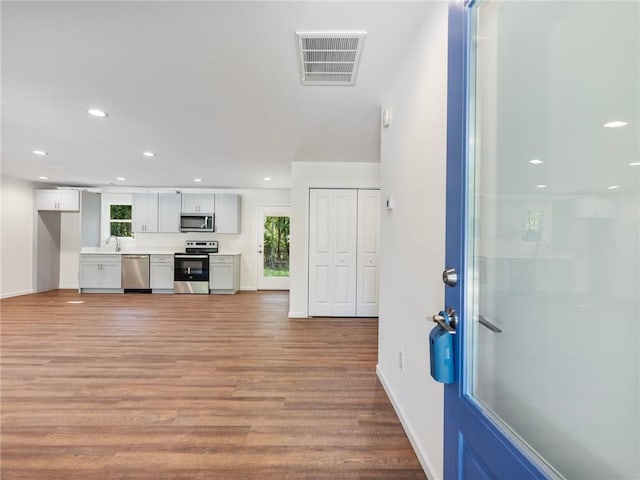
(329, 58)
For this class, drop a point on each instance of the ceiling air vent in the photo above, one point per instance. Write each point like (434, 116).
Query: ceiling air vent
(329, 58)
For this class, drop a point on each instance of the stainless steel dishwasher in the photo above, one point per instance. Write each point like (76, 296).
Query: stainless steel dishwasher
(135, 273)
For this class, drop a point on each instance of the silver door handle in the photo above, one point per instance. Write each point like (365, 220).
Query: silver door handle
(449, 323)
(486, 323)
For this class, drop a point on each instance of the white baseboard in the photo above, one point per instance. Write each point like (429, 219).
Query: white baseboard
(298, 315)
(16, 294)
(426, 464)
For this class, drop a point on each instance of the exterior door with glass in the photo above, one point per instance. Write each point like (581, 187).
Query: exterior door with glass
(273, 248)
(543, 229)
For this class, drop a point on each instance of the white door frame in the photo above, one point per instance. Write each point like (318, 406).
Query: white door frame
(268, 283)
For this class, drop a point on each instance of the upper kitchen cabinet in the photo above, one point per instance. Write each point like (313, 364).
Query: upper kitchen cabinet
(156, 212)
(227, 213)
(198, 203)
(58, 200)
(144, 216)
(169, 207)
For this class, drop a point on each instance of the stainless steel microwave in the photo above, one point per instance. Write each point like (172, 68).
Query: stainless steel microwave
(197, 222)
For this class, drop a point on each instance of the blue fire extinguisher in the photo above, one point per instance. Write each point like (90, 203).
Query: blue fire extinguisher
(441, 347)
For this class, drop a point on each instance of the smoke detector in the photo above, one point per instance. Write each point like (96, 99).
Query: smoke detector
(329, 58)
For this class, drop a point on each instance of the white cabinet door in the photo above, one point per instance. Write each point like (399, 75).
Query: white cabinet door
(190, 203)
(111, 275)
(90, 275)
(227, 210)
(368, 250)
(144, 212)
(138, 212)
(161, 276)
(69, 200)
(332, 252)
(169, 207)
(47, 199)
(221, 276)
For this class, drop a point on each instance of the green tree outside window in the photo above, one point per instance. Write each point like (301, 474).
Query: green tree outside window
(120, 220)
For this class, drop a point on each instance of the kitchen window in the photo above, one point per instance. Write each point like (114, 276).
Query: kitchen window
(120, 220)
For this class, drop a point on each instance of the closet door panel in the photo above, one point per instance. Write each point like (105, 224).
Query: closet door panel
(368, 226)
(320, 254)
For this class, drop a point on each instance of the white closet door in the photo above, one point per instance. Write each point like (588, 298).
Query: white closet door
(332, 252)
(368, 249)
(345, 231)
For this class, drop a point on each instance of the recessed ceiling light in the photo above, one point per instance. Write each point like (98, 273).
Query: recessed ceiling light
(267, 179)
(43, 178)
(122, 179)
(634, 164)
(40, 152)
(97, 113)
(613, 187)
(541, 186)
(149, 154)
(615, 124)
(535, 161)
(197, 180)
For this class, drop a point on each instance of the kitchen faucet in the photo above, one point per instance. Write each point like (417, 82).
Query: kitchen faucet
(117, 242)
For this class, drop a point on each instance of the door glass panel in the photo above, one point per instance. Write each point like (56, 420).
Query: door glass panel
(276, 246)
(555, 219)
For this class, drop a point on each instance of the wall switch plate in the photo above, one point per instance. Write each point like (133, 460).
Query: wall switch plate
(388, 203)
(401, 360)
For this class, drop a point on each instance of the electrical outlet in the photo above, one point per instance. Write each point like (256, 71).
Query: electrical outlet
(401, 360)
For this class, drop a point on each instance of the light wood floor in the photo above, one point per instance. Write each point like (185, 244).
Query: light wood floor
(192, 387)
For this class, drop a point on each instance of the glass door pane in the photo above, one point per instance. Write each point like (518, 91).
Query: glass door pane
(555, 216)
(276, 246)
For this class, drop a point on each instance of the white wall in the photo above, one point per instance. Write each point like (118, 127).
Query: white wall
(245, 242)
(413, 159)
(16, 242)
(306, 175)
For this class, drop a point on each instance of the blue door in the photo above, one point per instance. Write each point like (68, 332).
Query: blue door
(543, 229)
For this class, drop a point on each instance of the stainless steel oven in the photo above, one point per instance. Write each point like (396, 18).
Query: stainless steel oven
(191, 273)
(191, 269)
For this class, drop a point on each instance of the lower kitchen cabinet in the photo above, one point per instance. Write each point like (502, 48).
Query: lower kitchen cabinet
(100, 272)
(161, 272)
(224, 273)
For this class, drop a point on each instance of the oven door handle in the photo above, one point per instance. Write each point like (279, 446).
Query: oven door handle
(190, 256)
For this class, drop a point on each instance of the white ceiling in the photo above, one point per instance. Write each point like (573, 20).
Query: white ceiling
(212, 87)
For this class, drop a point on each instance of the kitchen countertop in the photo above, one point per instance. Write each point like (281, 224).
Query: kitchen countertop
(140, 251)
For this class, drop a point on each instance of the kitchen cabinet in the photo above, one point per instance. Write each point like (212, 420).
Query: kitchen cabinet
(144, 215)
(169, 207)
(198, 203)
(100, 272)
(227, 213)
(161, 272)
(58, 200)
(153, 212)
(224, 273)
